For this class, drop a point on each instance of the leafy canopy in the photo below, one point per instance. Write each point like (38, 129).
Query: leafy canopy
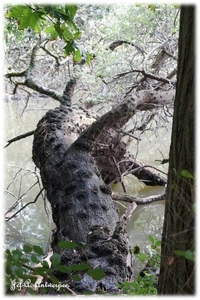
(55, 20)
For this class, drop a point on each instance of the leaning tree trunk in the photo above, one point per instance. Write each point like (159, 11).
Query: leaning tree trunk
(82, 207)
(177, 267)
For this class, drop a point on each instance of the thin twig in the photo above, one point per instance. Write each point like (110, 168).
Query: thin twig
(36, 198)
(19, 137)
(119, 171)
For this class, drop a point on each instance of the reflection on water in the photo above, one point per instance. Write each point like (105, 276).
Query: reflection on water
(33, 225)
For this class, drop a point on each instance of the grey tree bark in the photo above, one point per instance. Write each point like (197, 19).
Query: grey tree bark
(177, 272)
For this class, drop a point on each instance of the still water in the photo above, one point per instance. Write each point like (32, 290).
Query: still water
(33, 225)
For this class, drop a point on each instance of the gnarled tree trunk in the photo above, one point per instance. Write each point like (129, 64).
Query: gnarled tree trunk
(82, 207)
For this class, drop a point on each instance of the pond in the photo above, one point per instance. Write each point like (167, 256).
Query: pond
(34, 224)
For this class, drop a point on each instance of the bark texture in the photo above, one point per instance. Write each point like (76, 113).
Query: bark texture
(67, 142)
(81, 202)
(177, 272)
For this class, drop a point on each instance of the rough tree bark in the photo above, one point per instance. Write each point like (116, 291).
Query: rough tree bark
(177, 272)
(82, 206)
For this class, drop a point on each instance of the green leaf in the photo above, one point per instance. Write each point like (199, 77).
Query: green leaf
(17, 11)
(25, 16)
(77, 35)
(158, 243)
(45, 264)
(55, 259)
(16, 254)
(77, 55)
(142, 256)
(76, 277)
(187, 174)
(152, 7)
(40, 271)
(34, 259)
(71, 10)
(27, 248)
(24, 260)
(51, 31)
(151, 239)
(80, 267)
(63, 269)
(19, 271)
(67, 35)
(96, 274)
(58, 29)
(67, 245)
(69, 48)
(38, 250)
(54, 279)
(188, 254)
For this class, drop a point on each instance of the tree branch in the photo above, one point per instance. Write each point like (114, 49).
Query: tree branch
(118, 43)
(19, 137)
(36, 198)
(138, 201)
(29, 82)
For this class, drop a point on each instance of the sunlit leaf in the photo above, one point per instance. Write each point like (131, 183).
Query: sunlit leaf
(152, 7)
(187, 174)
(77, 55)
(158, 243)
(51, 31)
(66, 33)
(151, 239)
(71, 10)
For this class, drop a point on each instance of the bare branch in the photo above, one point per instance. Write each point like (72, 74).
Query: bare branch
(145, 74)
(57, 58)
(19, 137)
(118, 43)
(128, 213)
(138, 201)
(29, 82)
(36, 198)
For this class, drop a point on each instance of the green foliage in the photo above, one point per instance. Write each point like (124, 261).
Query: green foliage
(153, 259)
(21, 271)
(55, 20)
(187, 174)
(142, 286)
(188, 254)
(145, 285)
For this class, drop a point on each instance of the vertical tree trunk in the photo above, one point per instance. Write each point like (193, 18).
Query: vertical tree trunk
(177, 272)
